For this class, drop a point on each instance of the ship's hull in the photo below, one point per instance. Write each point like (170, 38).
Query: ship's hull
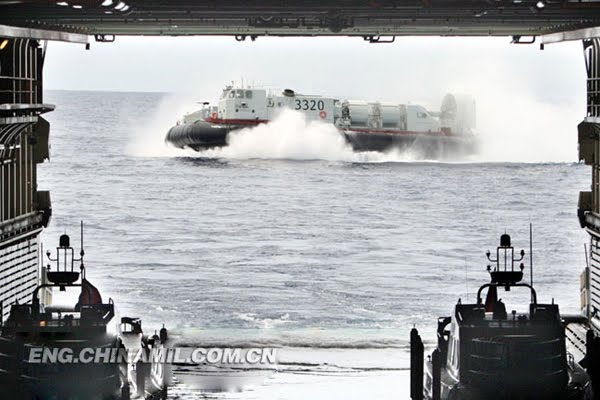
(45, 380)
(451, 389)
(420, 144)
(94, 379)
(203, 135)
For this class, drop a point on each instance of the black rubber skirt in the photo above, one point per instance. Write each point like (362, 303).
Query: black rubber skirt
(199, 135)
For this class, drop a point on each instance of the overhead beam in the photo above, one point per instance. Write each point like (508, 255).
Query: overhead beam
(577, 34)
(42, 34)
(304, 17)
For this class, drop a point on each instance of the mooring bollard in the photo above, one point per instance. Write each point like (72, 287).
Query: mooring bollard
(416, 365)
(436, 370)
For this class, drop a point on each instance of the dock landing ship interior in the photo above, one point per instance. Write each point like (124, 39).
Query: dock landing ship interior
(366, 126)
(485, 352)
(25, 25)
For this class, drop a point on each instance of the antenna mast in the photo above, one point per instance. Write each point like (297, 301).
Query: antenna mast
(531, 253)
(81, 253)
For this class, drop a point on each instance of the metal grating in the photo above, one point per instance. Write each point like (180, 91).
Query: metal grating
(595, 275)
(19, 273)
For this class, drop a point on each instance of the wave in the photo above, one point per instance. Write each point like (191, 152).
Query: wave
(303, 343)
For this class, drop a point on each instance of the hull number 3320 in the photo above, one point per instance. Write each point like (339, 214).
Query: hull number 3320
(313, 105)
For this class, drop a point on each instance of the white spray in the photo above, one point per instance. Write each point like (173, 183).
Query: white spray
(291, 136)
(148, 139)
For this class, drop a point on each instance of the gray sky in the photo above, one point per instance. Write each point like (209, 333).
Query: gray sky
(344, 66)
(520, 90)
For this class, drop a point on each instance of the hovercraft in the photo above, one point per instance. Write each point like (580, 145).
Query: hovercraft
(366, 126)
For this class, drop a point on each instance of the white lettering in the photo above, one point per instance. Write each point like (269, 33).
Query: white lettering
(35, 355)
(199, 355)
(253, 356)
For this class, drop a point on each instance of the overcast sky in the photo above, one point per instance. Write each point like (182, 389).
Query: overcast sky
(344, 66)
(542, 91)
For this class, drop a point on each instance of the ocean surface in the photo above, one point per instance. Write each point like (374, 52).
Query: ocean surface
(290, 239)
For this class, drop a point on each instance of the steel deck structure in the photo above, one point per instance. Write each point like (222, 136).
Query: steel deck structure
(366, 18)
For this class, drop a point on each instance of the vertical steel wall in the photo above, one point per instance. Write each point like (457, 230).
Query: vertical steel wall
(23, 143)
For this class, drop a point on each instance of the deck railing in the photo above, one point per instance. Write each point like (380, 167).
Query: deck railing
(20, 83)
(591, 48)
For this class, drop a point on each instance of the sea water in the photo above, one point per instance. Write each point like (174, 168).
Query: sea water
(288, 238)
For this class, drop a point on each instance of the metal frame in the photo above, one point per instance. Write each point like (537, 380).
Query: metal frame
(578, 34)
(487, 285)
(21, 99)
(42, 34)
(45, 20)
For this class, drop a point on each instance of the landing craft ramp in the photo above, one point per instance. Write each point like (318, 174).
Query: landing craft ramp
(24, 210)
